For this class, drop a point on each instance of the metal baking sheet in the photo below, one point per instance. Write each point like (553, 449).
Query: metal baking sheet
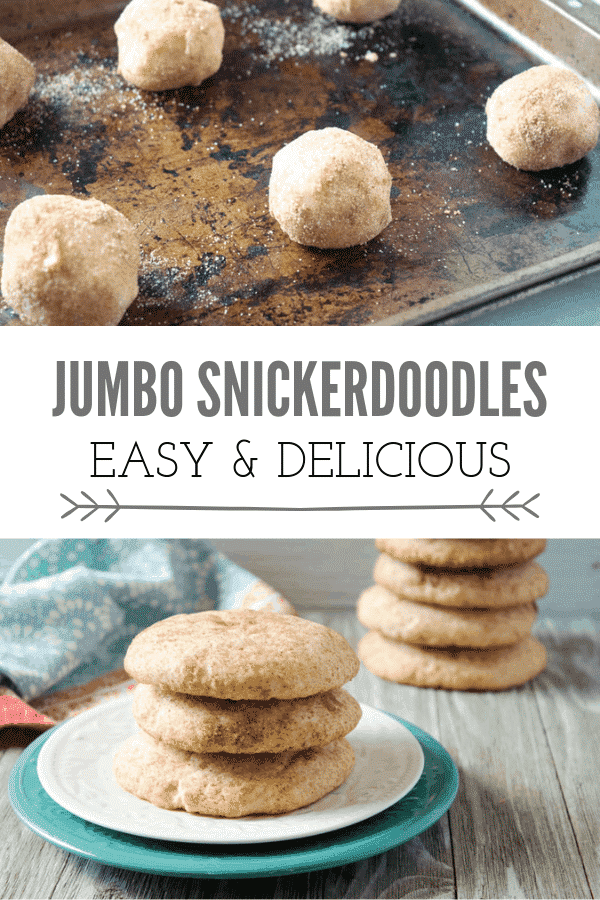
(190, 168)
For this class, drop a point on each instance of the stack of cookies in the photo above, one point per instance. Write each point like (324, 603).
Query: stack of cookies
(242, 712)
(454, 613)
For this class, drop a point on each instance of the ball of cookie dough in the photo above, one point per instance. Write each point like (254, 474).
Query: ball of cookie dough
(167, 44)
(16, 80)
(69, 262)
(357, 10)
(542, 118)
(330, 189)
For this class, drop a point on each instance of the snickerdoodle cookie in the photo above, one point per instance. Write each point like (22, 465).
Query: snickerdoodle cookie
(241, 654)
(208, 725)
(357, 11)
(166, 44)
(477, 588)
(439, 626)
(454, 669)
(17, 76)
(330, 188)
(69, 261)
(230, 785)
(462, 553)
(542, 118)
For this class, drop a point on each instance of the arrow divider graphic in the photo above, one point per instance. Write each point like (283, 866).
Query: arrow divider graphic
(485, 506)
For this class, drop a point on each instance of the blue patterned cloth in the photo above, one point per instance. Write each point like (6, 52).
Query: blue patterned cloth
(69, 608)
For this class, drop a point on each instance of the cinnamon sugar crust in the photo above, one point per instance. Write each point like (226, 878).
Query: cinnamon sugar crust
(69, 261)
(357, 11)
(453, 668)
(330, 189)
(167, 44)
(462, 553)
(439, 626)
(241, 654)
(471, 589)
(17, 76)
(542, 118)
(230, 785)
(209, 725)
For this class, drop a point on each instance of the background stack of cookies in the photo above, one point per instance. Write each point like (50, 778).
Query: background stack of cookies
(242, 712)
(454, 613)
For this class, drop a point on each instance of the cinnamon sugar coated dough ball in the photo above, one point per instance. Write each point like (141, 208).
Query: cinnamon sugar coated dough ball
(357, 10)
(330, 189)
(17, 75)
(542, 118)
(69, 262)
(167, 44)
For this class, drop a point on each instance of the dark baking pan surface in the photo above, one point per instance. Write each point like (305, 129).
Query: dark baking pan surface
(190, 168)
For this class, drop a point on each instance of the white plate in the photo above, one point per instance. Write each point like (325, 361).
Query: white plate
(75, 769)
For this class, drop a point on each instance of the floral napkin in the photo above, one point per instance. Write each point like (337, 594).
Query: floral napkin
(69, 608)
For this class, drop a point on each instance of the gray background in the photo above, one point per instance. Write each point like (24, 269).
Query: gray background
(324, 573)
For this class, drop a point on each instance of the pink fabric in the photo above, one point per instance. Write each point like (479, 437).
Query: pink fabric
(15, 712)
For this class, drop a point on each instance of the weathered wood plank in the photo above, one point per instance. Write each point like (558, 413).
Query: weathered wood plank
(423, 866)
(510, 828)
(568, 697)
(29, 867)
(310, 573)
(408, 871)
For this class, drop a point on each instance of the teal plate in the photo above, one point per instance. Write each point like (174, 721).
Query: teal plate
(424, 805)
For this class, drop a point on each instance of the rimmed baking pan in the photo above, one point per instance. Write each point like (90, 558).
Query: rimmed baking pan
(190, 168)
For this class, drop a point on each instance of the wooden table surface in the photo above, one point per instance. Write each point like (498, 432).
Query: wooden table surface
(525, 823)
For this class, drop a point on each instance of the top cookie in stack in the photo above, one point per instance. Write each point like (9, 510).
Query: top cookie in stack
(242, 712)
(454, 613)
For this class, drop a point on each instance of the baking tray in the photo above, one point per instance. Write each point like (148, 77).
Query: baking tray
(190, 168)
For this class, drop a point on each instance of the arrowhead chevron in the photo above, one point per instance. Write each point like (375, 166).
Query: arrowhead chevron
(117, 506)
(484, 501)
(73, 506)
(526, 506)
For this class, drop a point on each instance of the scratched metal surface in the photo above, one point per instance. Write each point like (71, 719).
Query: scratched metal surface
(190, 168)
